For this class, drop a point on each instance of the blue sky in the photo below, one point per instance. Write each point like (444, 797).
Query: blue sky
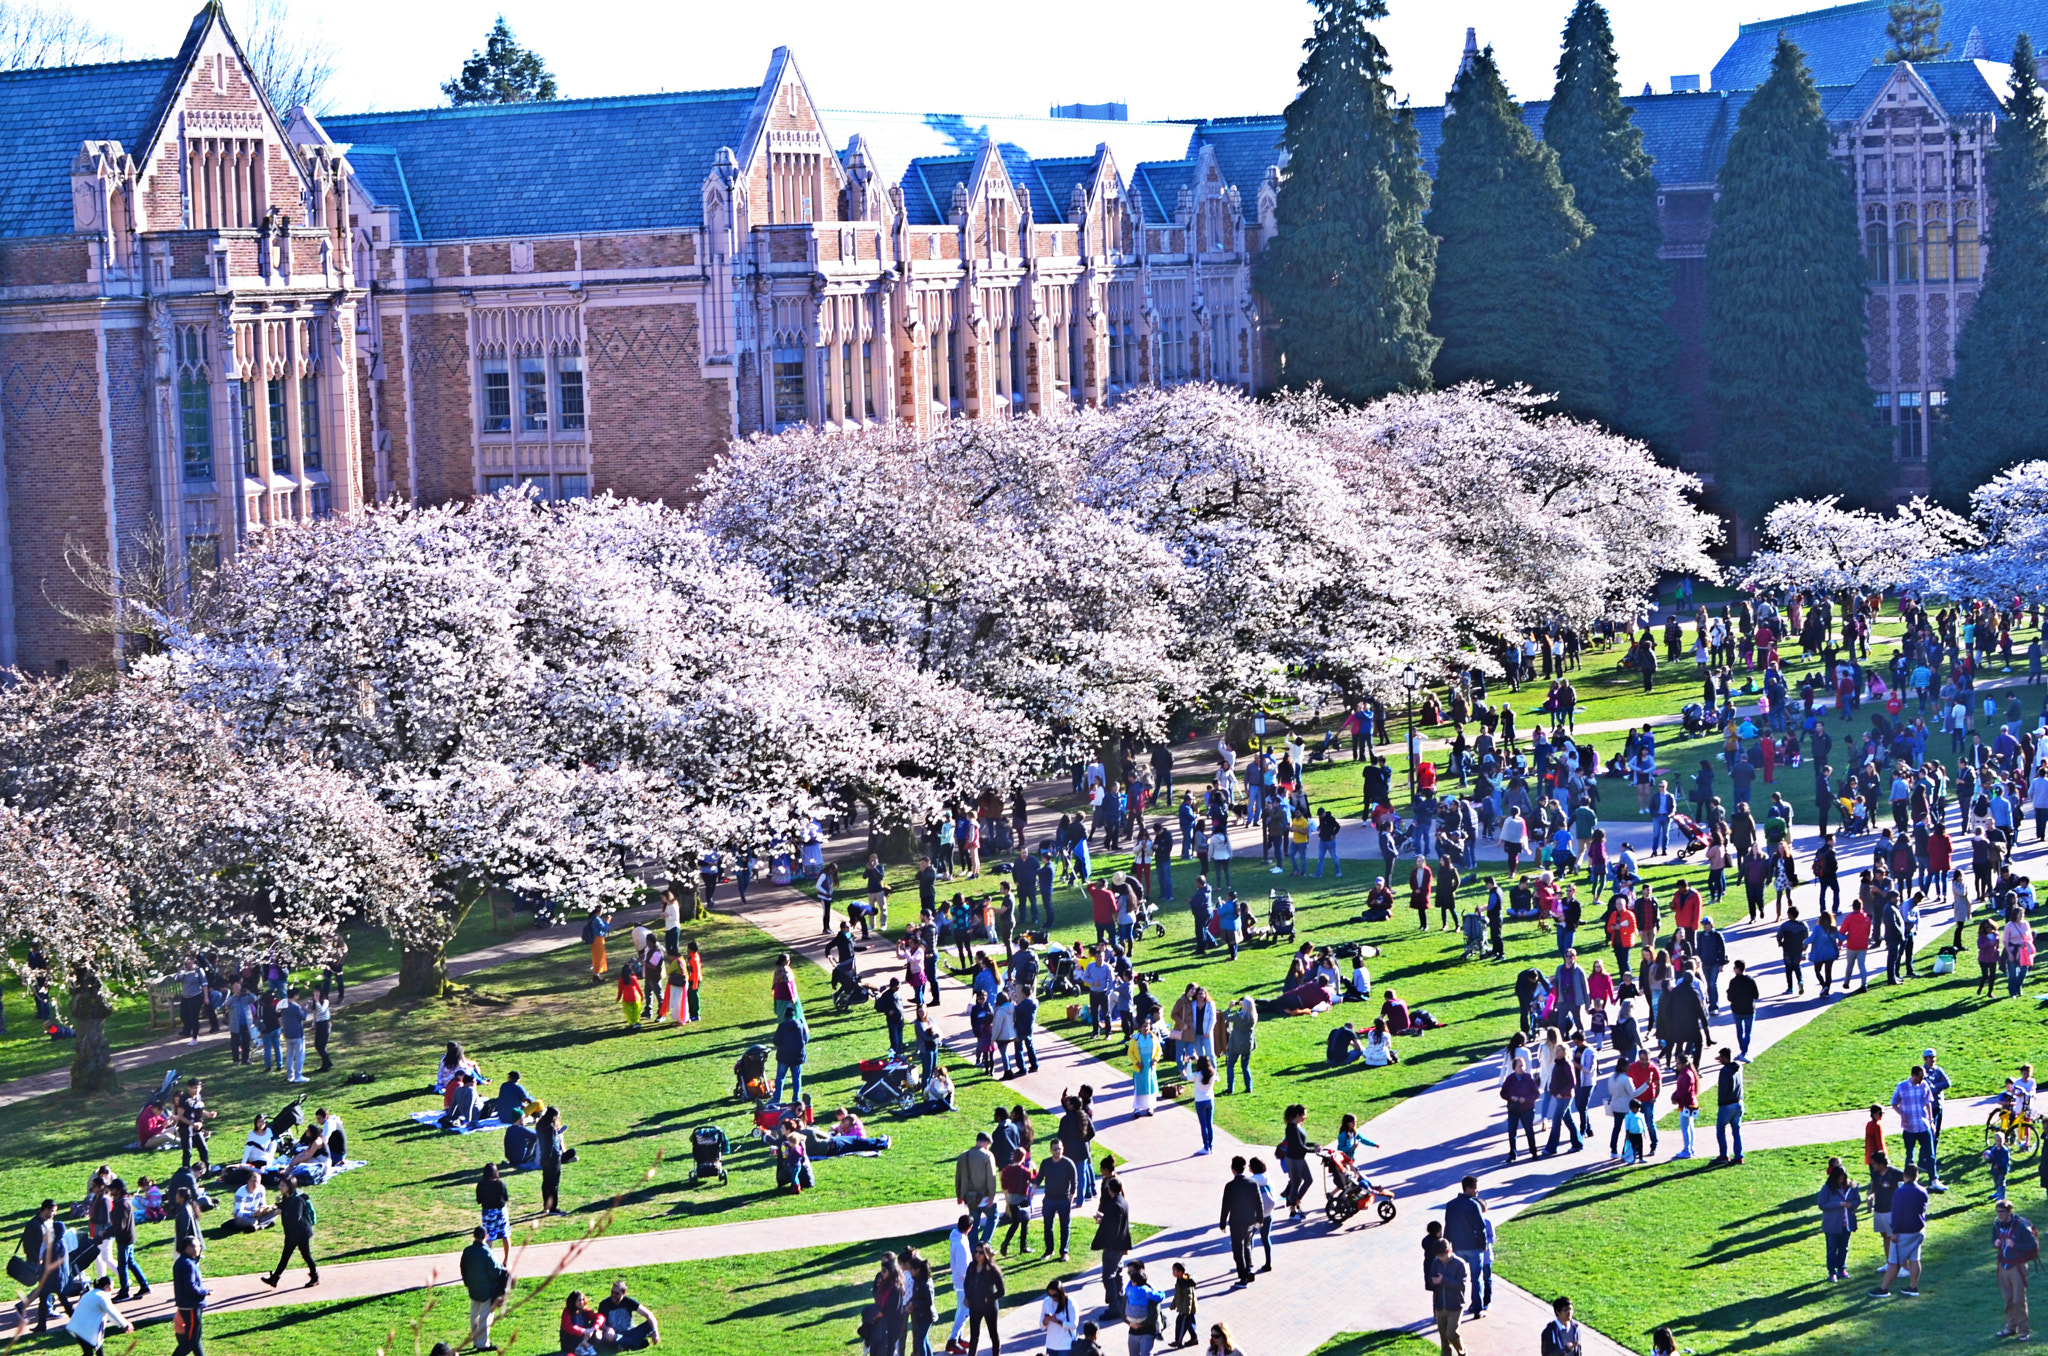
(1165, 59)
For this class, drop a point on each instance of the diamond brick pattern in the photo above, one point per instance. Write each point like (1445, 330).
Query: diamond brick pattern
(50, 390)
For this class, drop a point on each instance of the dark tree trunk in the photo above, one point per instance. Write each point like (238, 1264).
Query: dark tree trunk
(423, 971)
(92, 1061)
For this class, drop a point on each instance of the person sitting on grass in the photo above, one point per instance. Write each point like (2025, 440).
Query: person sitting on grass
(454, 1062)
(632, 1324)
(582, 1328)
(1394, 1014)
(1342, 1047)
(252, 1210)
(522, 1144)
(464, 1108)
(1379, 1046)
(1313, 992)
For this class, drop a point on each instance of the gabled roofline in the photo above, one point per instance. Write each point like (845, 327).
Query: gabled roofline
(751, 141)
(404, 189)
(181, 73)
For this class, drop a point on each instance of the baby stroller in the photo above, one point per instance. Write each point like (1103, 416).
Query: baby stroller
(1346, 1190)
(895, 1084)
(750, 1074)
(1695, 836)
(1697, 720)
(1280, 915)
(1473, 925)
(847, 990)
(709, 1146)
(1059, 981)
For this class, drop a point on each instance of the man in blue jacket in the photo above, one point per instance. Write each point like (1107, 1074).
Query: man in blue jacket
(189, 1293)
(792, 1043)
(1465, 1227)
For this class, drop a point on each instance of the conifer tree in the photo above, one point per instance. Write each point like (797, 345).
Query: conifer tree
(2001, 379)
(1785, 299)
(1508, 300)
(502, 73)
(1914, 30)
(1614, 186)
(1346, 281)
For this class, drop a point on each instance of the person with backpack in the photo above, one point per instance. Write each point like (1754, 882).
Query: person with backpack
(484, 1280)
(2017, 1246)
(296, 1216)
(1561, 1334)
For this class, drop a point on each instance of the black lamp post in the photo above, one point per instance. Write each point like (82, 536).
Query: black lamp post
(1409, 679)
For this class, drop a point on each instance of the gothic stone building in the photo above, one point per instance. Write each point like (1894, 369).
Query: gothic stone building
(216, 317)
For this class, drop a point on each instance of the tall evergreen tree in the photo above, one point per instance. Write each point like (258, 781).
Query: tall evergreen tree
(1347, 279)
(502, 73)
(1509, 298)
(1914, 30)
(2000, 385)
(1785, 299)
(1614, 186)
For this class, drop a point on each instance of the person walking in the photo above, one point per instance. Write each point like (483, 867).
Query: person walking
(1465, 1231)
(960, 1247)
(1520, 1091)
(1909, 1230)
(1913, 1099)
(1202, 1080)
(484, 1280)
(1058, 1181)
(1728, 1106)
(1112, 1240)
(296, 1217)
(1243, 1038)
(94, 1314)
(976, 1185)
(1449, 1278)
(2016, 1245)
(984, 1290)
(1240, 1216)
(1742, 998)
(1839, 1201)
(1297, 1147)
(189, 1295)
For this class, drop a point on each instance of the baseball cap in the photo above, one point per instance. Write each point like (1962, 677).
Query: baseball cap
(1927, 1054)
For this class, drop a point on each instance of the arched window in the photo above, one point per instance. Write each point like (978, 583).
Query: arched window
(1936, 233)
(1874, 251)
(1966, 245)
(1905, 247)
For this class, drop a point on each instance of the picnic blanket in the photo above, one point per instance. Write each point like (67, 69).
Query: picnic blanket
(433, 1118)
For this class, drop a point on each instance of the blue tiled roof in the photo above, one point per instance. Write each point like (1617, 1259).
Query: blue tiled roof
(1841, 42)
(898, 139)
(1244, 148)
(1024, 174)
(1961, 88)
(1057, 178)
(1157, 187)
(46, 114)
(928, 187)
(545, 168)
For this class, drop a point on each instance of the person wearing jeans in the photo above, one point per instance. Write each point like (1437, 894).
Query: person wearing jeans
(1728, 1116)
(1666, 805)
(1742, 996)
(291, 1020)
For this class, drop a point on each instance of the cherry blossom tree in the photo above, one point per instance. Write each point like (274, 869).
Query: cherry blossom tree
(970, 556)
(548, 694)
(1552, 517)
(1818, 544)
(1307, 581)
(2010, 513)
(139, 830)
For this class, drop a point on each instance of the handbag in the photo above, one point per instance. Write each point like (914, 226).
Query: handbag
(21, 1273)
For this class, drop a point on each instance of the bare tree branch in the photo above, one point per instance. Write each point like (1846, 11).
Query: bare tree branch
(294, 61)
(36, 35)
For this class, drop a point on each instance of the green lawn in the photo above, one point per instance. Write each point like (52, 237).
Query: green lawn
(1376, 1344)
(25, 1050)
(805, 1302)
(1982, 1043)
(630, 1101)
(1732, 1259)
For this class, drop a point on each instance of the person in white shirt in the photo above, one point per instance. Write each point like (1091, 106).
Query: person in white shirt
(260, 1146)
(960, 1245)
(90, 1318)
(1058, 1318)
(253, 1210)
